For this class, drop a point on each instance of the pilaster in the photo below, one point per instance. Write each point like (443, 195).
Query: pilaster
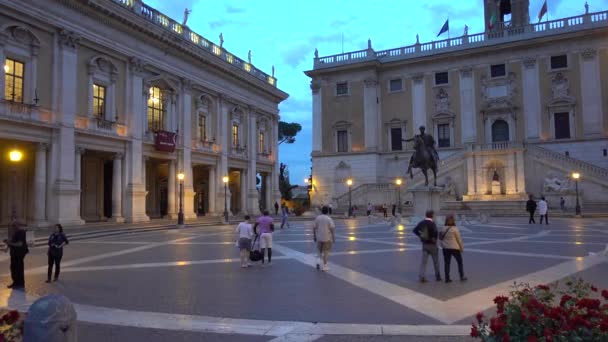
(418, 101)
(531, 99)
(117, 189)
(370, 114)
(317, 116)
(591, 94)
(467, 107)
(40, 175)
(252, 191)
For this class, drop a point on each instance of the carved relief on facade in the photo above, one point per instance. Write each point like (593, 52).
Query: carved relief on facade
(442, 101)
(498, 93)
(237, 115)
(103, 65)
(560, 89)
(22, 35)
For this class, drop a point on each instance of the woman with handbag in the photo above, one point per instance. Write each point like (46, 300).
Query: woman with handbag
(245, 233)
(452, 245)
(56, 242)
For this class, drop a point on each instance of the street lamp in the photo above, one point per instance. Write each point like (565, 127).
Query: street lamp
(225, 180)
(180, 213)
(349, 182)
(398, 181)
(15, 157)
(576, 176)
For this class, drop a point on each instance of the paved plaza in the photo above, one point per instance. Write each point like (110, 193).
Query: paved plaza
(186, 285)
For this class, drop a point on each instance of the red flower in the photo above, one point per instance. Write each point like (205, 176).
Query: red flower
(479, 317)
(587, 303)
(523, 316)
(500, 303)
(533, 319)
(543, 287)
(605, 294)
(10, 317)
(505, 338)
(532, 339)
(566, 298)
(497, 324)
(593, 288)
(474, 331)
(604, 325)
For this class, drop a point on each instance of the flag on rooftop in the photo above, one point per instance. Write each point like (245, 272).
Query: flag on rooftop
(445, 28)
(543, 11)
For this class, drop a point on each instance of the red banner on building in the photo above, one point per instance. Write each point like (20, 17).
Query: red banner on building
(165, 141)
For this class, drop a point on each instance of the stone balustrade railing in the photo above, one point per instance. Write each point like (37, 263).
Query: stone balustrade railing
(176, 29)
(568, 163)
(496, 146)
(504, 33)
(25, 111)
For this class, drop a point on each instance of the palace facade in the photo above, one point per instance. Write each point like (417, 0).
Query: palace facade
(514, 110)
(110, 100)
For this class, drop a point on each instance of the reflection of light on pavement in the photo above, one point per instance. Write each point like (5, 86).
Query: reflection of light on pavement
(352, 238)
(352, 252)
(401, 249)
(182, 263)
(578, 243)
(579, 258)
(400, 227)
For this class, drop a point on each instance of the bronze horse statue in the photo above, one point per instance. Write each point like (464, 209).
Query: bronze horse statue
(424, 160)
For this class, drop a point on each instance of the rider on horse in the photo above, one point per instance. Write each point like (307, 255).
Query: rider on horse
(427, 142)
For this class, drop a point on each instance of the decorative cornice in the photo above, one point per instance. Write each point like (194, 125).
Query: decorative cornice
(529, 62)
(589, 54)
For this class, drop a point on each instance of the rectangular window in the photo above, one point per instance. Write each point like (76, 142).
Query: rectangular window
(202, 127)
(342, 141)
(396, 85)
(156, 110)
(441, 78)
(562, 125)
(99, 101)
(443, 135)
(559, 62)
(498, 70)
(396, 143)
(261, 142)
(235, 135)
(13, 80)
(342, 88)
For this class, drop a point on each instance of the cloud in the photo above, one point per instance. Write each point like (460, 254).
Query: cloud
(215, 24)
(300, 52)
(296, 105)
(234, 10)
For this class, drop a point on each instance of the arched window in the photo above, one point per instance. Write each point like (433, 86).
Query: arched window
(156, 109)
(500, 131)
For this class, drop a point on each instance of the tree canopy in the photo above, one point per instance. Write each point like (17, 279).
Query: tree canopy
(288, 132)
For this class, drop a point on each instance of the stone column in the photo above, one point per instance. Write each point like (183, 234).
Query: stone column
(222, 167)
(185, 131)
(244, 191)
(3, 38)
(66, 199)
(418, 102)
(468, 120)
(510, 174)
(252, 191)
(591, 94)
(276, 193)
(40, 186)
(370, 114)
(317, 116)
(471, 182)
(117, 189)
(171, 180)
(212, 195)
(520, 169)
(531, 99)
(268, 184)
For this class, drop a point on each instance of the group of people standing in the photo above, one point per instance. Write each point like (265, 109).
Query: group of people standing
(17, 245)
(543, 209)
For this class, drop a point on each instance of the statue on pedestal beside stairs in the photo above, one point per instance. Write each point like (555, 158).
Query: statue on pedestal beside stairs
(425, 156)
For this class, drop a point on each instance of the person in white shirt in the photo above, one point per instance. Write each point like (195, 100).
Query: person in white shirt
(542, 210)
(245, 233)
(324, 235)
(452, 245)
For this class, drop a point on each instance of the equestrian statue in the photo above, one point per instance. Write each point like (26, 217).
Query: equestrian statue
(425, 156)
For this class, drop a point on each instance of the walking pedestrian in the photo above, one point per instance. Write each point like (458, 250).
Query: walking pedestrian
(562, 204)
(284, 216)
(56, 242)
(452, 246)
(276, 208)
(394, 208)
(324, 235)
(369, 208)
(245, 234)
(384, 210)
(266, 227)
(426, 230)
(543, 208)
(531, 208)
(18, 249)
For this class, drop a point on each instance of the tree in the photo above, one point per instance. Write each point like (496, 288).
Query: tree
(284, 186)
(288, 132)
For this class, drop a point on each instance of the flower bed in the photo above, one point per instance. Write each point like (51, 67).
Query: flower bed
(11, 326)
(580, 313)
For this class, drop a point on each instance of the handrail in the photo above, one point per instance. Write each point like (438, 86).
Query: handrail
(568, 162)
(173, 27)
(502, 34)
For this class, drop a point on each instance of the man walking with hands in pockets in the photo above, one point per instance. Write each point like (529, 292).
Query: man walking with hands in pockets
(324, 235)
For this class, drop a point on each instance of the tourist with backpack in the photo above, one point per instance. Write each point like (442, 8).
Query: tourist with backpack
(244, 232)
(264, 227)
(324, 234)
(426, 230)
(452, 245)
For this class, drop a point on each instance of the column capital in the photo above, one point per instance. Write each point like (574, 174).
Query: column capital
(42, 147)
(137, 65)
(68, 39)
(315, 86)
(529, 62)
(80, 150)
(417, 78)
(589, 54)
(118, 156)
(370, 82)
(466, 71)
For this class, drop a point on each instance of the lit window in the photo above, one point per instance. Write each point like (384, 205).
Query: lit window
(443, 135)
(342, 89)
(261, 142)
(396, 85)
(441, 78)
(99, 101)
(13, 80)
(156, 110)
(235, 135)
(342, 141)
(202, 127)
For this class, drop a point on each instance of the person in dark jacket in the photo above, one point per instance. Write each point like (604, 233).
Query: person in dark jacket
(56, 242)
(426, 230)
(531, 208)
(18, 249)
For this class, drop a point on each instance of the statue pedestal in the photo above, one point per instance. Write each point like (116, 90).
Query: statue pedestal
(425, 198)
(496, 188)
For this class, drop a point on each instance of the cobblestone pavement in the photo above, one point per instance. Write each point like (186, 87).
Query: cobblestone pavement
(186, 285)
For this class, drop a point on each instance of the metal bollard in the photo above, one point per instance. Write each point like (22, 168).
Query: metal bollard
(51, 319)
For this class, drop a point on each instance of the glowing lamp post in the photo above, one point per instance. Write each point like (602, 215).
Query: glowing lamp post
(349, 182)
(15, 157)
(398, 182)
(577, 209)
(225, 180)
(180, 213)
